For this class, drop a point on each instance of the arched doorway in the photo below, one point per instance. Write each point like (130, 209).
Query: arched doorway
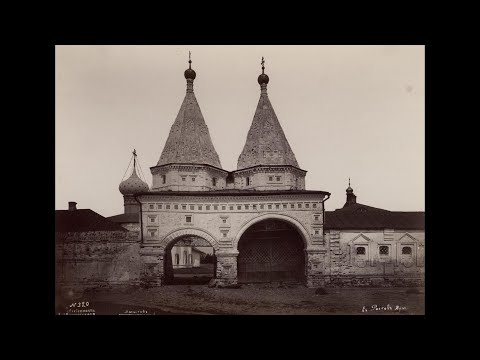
(189, 260)
(271, 250)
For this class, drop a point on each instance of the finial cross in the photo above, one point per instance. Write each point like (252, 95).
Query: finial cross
(134, 152)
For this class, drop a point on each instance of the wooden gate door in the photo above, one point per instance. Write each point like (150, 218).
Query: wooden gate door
(267, 256)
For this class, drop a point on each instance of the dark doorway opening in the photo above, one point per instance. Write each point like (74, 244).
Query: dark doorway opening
(189, 260)
(271, 251)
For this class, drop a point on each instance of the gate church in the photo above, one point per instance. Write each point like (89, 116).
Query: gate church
(262, 223)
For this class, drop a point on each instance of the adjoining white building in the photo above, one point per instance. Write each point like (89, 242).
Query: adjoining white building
(186, 256)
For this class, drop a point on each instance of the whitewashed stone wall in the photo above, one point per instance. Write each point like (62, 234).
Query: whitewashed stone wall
(345, 266)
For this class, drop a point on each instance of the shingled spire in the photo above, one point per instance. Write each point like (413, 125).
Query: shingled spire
(189, 139)
(266, 142)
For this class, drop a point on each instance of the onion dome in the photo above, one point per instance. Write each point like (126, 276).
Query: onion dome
(349, 189)
(263, 78)
(133, 185)
(190, 73)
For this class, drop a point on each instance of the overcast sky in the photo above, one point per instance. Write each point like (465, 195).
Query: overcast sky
(347, 111)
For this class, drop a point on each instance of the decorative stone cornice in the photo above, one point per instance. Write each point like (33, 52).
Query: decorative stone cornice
(270, 198)
(164, 169)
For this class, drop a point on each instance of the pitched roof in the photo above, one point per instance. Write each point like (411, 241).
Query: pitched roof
(189, 139)
(125, 218)
(266, 142)
(83, 220)
(359, 216)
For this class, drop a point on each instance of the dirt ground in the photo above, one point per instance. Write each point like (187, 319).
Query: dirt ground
(253, 299)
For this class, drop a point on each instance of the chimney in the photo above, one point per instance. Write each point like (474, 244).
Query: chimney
(72, 205)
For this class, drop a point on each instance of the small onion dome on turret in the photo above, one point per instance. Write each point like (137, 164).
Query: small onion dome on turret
(133, 185)
(190, 73)
(263, 78)
(349, 189)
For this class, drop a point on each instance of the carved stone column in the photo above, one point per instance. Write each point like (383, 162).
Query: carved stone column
(226, 272)
(315, 267)
(152, 274)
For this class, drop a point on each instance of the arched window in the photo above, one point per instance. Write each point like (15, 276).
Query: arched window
(185, 257)
(177, 259)
(248, 181)
(190, 259)
(360, 250)
(164, 179)
(407, 250)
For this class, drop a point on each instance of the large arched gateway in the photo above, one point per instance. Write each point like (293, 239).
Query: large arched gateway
(271, 250)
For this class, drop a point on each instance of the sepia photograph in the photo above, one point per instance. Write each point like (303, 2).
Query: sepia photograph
(239, 180)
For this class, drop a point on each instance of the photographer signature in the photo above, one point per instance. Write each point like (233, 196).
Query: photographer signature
(387, 307)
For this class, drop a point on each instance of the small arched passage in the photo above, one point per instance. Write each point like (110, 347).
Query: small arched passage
(271, 249)
(182, 238)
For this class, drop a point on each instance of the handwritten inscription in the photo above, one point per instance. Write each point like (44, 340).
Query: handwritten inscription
(388, 307)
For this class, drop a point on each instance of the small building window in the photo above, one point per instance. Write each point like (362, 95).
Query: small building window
(292, 206)
(314, 205)
(231, 207)
(284, 206)
(177, 259)
(224, 234)
(185, 257)
(190, 259)
(151, 207)
(307, 206)
(208, 207)
(193, 179)
(316, 217)
(152, 219)
(407, 250)
(246, 207)
(224, 207)
(192, 207)
(214, 181)
(184, 207)
(224, 221)
(269, 206)
(270, 178)
(278, 178)
(239, 207)
(184, 178)
(248, 181)
(360, 250)
(167, 206)
(200, 207)
(317, 232)
(277, 206)
(188, 219)
(299, 206)
(262, 206)
(164, 179)
(175, 207)
(215, 207)
(254, 207)
(159, 206)
(152, 233)
(383, 250)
